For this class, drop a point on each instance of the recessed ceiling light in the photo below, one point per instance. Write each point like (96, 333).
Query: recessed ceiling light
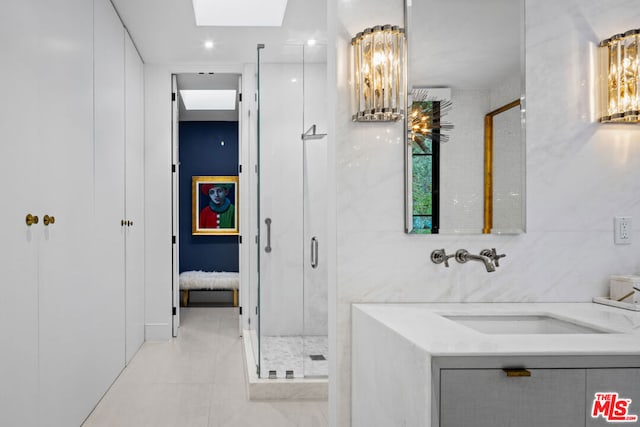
(209, 99)
(208, 44)
(239, 13)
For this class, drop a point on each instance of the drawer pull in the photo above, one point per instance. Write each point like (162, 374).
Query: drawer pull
(517, 372)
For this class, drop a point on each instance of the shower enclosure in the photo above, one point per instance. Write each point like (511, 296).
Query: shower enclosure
(290, 295)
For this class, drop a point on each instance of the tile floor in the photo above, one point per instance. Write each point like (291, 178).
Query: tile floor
(282, 353)
(196, 380)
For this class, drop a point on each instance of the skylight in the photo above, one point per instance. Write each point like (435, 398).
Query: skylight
(239, 13)
(209, 99)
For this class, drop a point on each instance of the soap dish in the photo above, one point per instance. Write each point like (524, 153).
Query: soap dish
(618, 304)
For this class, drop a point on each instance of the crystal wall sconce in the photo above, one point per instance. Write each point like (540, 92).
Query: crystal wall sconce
(378, 74)
(619, 100)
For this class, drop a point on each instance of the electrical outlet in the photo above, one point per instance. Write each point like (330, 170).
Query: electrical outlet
(622, 230)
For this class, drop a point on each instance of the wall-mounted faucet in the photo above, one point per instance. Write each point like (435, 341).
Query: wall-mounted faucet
(463, 255)
(489, 257)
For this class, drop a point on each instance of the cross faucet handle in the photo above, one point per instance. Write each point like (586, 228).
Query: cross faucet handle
(493, 255)
(440, 256)
(496, 257)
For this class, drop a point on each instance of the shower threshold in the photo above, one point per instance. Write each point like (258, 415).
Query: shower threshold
(301, 356)
(280, 388)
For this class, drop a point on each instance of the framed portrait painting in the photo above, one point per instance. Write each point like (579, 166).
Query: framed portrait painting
(215, 205)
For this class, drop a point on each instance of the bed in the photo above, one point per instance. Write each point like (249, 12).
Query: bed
(209, 280)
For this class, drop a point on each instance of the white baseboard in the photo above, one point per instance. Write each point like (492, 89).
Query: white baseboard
(157, 332)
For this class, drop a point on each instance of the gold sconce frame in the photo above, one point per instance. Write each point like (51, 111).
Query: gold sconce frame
(619, 98)
(378, 74)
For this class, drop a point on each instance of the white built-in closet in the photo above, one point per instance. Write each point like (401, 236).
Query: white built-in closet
(71, 147)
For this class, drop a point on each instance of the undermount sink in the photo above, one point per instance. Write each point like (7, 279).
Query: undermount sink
(521, 324)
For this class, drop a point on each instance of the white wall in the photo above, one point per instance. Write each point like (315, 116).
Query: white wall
(579, 175)
(157, 80)
(462, 160)
(508, 155)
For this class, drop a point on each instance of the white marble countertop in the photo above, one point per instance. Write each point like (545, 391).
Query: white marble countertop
(423, 325)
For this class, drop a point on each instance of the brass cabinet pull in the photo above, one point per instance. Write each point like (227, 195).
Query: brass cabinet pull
(123, 223)
(31, 219)
(49, 219)
(517, 372)
(129, 223)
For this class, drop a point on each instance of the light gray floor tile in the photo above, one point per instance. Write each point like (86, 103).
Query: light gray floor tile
(196, 380)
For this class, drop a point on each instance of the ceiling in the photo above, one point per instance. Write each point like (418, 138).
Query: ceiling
(207, 81)
(164, 32)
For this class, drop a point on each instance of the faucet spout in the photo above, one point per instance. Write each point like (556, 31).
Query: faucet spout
(462, 256)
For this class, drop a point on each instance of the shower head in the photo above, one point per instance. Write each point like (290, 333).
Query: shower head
(313, 135)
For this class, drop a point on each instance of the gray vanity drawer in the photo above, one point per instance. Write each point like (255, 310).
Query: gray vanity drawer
(489, 398)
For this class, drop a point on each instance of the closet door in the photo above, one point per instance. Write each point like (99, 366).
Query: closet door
(134, 204)
(76, 354)
(18, 192)
(109, 214)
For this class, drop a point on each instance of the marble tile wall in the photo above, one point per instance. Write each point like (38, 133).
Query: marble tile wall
(281, 270)
(508, 170)
(461, 159)
(293, 299)
(579, 175)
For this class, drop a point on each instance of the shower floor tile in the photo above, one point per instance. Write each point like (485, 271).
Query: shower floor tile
(286, 353)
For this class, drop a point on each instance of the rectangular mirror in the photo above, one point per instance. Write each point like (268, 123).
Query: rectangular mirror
(465, 152)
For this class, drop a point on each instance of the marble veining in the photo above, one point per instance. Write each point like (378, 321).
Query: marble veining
(579, 174)
(285, 353)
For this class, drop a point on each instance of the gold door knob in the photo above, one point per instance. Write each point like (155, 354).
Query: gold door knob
(31, 219)
(49, 219)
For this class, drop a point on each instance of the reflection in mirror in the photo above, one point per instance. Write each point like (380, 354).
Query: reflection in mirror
(502, 165)
(474, 69)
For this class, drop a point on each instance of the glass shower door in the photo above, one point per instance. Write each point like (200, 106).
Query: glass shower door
(292, 212)
(281, 225)
(314, 141)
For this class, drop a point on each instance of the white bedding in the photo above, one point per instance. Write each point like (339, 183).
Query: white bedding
(191, 280)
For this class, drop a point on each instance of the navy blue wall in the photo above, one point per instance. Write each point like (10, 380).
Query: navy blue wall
(201, 153)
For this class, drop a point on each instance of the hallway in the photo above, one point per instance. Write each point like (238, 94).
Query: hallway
(196, 380)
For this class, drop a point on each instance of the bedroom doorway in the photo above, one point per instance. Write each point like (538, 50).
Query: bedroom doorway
(206, 191)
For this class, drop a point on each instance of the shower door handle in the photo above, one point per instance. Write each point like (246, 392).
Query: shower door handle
(314, 252)
(267, 248)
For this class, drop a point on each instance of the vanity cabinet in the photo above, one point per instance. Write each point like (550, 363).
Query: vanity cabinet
(625, 382)
(549, 397)
(413, 365)
(488, 397)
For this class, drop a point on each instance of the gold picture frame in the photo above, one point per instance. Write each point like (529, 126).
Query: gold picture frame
(214, 205)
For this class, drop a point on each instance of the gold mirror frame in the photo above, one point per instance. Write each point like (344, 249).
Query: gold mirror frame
(488, 163)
